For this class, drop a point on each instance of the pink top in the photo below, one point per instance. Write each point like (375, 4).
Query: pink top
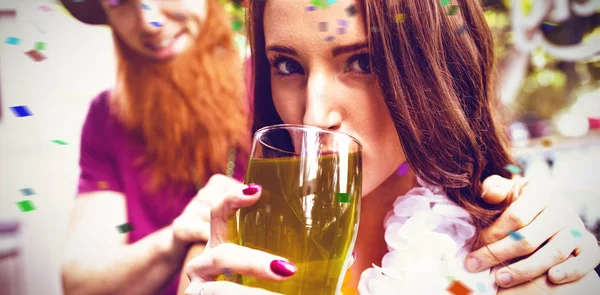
(426, 235)
(107, 163)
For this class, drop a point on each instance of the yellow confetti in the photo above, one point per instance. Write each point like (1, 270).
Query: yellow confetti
(102, 184)
(400, 17)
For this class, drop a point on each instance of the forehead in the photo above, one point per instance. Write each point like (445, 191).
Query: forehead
(290, 23)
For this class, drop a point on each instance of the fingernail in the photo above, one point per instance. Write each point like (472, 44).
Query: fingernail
(559, 275)
(251, 189)
(283, 268)
(472, 264)
(354, 256)
(504, 279)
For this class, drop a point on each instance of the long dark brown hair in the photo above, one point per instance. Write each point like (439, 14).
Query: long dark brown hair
(436, 77)
(188, 112)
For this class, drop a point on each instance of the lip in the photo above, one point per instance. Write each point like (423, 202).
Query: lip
(165, 52)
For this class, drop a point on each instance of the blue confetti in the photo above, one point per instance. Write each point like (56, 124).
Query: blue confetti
(576, 233)
(342, 22)
(21, 111)
(12, 41)
(227, 272)
(462, 29)
(156, 24)
(515, 235)
(27, 191)
(512, 169)
(481, 287)
(331, 2)
(329, 38)
(145, 6)
(311, 8)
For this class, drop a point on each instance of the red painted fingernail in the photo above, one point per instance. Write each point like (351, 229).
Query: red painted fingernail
(354, 256)
(251, 189)
(283, 268)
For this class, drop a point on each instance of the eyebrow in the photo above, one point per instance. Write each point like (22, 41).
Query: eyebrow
(334, 52)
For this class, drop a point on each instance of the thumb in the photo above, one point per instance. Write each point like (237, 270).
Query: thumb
(496, 189)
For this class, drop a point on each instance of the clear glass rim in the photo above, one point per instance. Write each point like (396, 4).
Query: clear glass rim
(262, 131)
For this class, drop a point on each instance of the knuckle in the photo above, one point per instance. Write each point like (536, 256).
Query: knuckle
(516, 218)
(560, 255)
(526, 246)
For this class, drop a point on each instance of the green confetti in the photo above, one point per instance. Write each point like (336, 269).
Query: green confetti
(125, 227)
(450, 279)
(26, 206)
(453, 10)
(512, 169)
(236, 25)
(320, 3)
(576, 233)
(343, 197)
(40, 45)
(550, 24)
(445, 2)
(59, 142)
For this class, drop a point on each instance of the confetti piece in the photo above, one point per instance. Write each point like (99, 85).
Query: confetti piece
(35, 55)
(453, 10)
(512, 169)
(458, 288)
(341, 31)
(156, 24)
(227, 272)
(515, 235)
(236, 25)
(40, 45)
(343, 197)
(445, 2)
(45, 8)
(145, 6)
(59, 142)
(320, 3)
(125, 227)
(329, 38)
(114, 2)
(399, 17)
(12, 41)
(21, 111)
(311, 8)
(481, 287)
(102, 184)
(576, 233)
(546, 142)
(351, 10)
(450, 279)
(323, 26)
(402, 169)
(342, 22)
(331, 2)
(27, 191)
(550, 24)
(462, 29)
(26, 206)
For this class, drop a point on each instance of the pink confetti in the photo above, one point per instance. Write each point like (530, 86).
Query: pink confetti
(45, 8)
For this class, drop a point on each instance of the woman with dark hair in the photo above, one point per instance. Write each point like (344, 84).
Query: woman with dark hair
(398, 76)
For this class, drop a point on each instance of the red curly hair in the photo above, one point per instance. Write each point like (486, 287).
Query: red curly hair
(188, 112)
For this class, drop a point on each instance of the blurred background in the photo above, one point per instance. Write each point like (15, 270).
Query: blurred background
(51, 66)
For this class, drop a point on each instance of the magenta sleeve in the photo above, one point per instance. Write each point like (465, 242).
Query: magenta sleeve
(97, 158)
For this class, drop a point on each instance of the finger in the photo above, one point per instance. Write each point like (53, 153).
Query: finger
(556, 251)
(224, 288)
(239, 260)
(519, 243)
(192, 229)
(496, 189)
(587, 257)
(531, 201)
(223, 210)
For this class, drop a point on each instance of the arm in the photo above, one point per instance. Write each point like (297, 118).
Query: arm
(184, 281)
(98, 259)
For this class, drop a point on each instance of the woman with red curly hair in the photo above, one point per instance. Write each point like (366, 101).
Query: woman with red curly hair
(176, 116)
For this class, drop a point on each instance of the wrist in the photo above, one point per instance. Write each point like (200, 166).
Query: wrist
(171, 248)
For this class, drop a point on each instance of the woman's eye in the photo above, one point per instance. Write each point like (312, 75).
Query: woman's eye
(359, 63)
(286, 66)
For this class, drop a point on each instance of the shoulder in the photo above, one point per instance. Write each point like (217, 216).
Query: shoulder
(100, 104)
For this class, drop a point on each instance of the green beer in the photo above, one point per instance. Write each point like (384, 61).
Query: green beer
(308, 213)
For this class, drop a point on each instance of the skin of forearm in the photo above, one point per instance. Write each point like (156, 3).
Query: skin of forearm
(143, 267)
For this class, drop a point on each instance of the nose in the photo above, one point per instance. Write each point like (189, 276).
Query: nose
(151, 17)
(322, 108)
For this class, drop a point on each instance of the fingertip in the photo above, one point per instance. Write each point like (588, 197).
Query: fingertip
(496, 189)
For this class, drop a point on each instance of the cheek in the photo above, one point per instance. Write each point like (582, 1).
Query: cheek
(288, 101)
